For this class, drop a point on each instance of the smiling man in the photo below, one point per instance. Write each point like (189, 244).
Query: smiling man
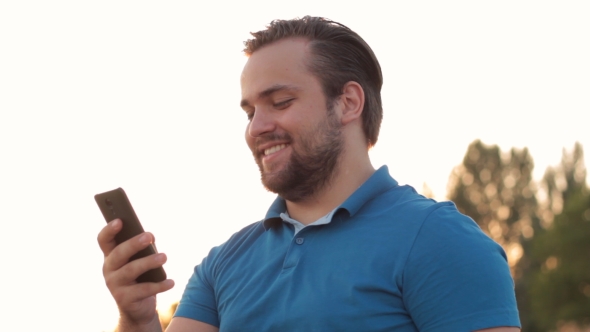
(343, 247)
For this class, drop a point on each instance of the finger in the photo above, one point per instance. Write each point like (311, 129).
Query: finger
(121, 254)
(132, 270)
(140, 291)
(106, 237)
(127, 274)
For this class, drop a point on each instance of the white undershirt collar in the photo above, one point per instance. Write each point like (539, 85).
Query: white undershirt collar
(299, 226)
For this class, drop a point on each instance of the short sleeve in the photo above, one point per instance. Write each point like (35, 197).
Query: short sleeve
(198, 300)
(456, 278)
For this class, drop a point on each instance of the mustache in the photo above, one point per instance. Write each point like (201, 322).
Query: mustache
(271, 137)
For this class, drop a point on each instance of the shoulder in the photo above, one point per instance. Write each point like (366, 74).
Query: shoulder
(456, 271)
(445, 236)
(199, 300)
(440, 219)
(405, 198)
(445, 226)
(242, 237)
(404, 206)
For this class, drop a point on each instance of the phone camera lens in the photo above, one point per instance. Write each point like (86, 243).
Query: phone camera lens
(108, 201)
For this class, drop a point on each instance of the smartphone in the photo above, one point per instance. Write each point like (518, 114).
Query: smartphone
(115, 204)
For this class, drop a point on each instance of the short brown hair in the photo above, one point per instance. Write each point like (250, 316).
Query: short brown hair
(340, 55)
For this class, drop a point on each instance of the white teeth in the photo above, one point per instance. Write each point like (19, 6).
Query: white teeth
(274, 149)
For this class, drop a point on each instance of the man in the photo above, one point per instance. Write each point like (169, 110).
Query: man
(343, 247)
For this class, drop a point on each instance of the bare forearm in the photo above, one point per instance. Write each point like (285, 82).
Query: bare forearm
(125, 325)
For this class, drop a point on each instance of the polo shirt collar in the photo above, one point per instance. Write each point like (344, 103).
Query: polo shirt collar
(273, 215)
(377, 184)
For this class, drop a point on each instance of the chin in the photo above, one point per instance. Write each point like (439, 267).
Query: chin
(271, 181)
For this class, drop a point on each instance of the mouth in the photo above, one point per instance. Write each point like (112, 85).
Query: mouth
(274, 149)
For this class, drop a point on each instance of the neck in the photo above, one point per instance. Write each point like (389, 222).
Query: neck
(350, 174)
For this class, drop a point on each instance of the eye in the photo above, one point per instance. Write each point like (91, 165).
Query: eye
(283, 104)
(249, 113)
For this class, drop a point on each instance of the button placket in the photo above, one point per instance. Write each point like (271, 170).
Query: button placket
(297, 249)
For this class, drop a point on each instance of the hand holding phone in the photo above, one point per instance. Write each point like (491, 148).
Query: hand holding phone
(114, 204)
(136, 301)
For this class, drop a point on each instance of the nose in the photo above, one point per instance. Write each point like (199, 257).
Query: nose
(261, 123)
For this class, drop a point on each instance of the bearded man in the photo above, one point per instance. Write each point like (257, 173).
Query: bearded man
(343, 247)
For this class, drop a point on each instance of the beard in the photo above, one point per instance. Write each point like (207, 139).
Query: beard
(310, 169)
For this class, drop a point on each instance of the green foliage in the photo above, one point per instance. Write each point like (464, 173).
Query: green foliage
(561, 287)
(496, 189)
(560, 182)
(552, 274)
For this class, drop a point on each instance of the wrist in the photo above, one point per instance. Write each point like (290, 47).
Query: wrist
(126, 324)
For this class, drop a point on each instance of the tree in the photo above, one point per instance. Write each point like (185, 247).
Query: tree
(560, 182)
(561, 288)
(496, 189)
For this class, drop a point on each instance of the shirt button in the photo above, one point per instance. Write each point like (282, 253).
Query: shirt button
(299, 240)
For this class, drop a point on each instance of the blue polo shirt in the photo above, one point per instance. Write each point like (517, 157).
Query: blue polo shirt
(390, 260)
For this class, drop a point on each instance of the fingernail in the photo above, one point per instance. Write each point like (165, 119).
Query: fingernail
(144, 239)
(115, 223)
(160, 258)
(168, 282)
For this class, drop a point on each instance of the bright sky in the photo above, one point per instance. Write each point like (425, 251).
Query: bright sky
(144, 95)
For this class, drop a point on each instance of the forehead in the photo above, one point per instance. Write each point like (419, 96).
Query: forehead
(280, 63)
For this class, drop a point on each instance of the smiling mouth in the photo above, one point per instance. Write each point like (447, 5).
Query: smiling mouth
(274, 149)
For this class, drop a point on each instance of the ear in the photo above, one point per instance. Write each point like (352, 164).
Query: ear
(351, 102)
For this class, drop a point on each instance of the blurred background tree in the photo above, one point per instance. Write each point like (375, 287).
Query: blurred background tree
(561, 287)
(561, 182)
(496, 189)
(545, 229)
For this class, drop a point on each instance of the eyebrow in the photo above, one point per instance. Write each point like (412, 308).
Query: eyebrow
(270, 91)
